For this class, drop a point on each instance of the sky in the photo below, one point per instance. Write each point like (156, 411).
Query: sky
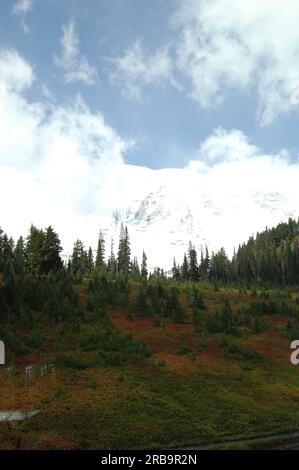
(88, 86)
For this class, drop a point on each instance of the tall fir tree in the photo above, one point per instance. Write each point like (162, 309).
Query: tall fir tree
(124, 252)
(175, 271)
(19, 256)
(90, 261)
(185, 269)
(135, 270)
(51, 249)
(100, 257)
(6, 249)
(112, 264)
(34, 250)
(144, 270)
(78, 259)
(204, 267)
(193, 264)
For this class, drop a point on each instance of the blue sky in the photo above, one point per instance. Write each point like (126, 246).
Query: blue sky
(166, 123)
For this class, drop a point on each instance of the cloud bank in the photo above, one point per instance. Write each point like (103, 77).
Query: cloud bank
(220, 47)
(53, 159)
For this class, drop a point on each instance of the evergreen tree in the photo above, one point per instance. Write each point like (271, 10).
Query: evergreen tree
(78, 260)
(175, 271)
(100, 257)
(112, 264)
(157, 273)
(135, 270)
(193, 265)
(6, 247)
(50, 252)
(124, 252)
(34, 250)
(144, 271)
(19, 256)
(204, 267)
(185, 269)
(90, 261)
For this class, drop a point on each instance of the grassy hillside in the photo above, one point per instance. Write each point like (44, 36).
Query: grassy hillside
(126, 380)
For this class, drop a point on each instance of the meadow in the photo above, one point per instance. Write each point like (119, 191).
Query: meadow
(127, 379)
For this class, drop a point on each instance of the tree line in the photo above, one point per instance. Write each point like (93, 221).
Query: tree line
(39, 254)
(271, 256)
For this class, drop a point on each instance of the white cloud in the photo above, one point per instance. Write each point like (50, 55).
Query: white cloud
(135, 69)
(53, 159)
(233, 165)
(220, 47)
(76, 67)
(15, 73)
(230, 146)
(228, 45)
(21, 8)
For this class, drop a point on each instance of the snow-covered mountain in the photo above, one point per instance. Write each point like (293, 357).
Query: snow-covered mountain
(165, 209)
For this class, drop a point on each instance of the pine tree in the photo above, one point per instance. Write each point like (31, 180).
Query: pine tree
(34, 250)
(19, 256)
(78, 259)
(175, 271)
(112, 264)
(50, 252)
(193, 265)
(7, 247)
(185, 269)
(124, 252)
(204, 267)
(144, 271)
(90, 261)
(135, 270)
(100, 258)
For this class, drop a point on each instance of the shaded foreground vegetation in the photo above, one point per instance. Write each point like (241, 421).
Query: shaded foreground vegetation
(145, 363)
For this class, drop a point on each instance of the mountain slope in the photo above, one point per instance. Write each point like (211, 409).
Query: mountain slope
(165, 209)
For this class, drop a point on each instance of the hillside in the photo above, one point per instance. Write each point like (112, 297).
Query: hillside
(104, 354)
(125, 377)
